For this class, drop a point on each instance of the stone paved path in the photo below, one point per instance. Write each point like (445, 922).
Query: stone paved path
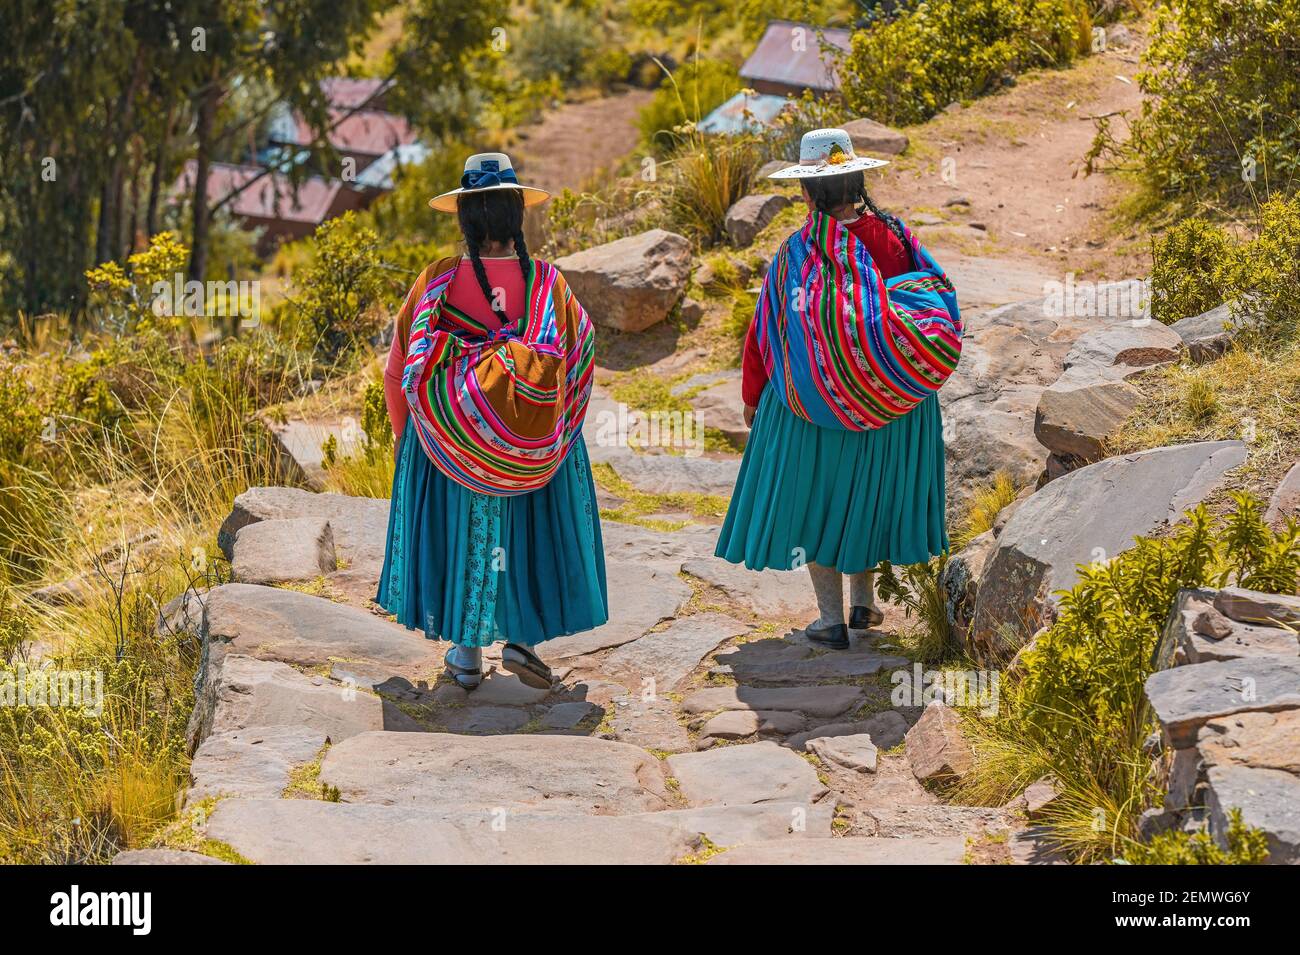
(683, 730)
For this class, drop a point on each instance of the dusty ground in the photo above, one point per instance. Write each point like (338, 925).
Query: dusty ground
(576, 142)
(1017, 156)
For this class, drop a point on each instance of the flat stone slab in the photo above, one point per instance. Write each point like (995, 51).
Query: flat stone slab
(359, 524)
(856, 753)
(1269, 800)
(906, 821)
(838, 664)
(745, 774)
(738, 825)
(644, 546)
(667, 657)
(264, 693)
(1255, 739)
(506, 689)
(1185, 698)
(886, 730)
(164, 857)
(1040, 548)
(257, 762)
(825, 701)
(282, 551)
(274, 624)
(311, 832)
(732, 724)
(769, 593)
(670, 473)
(567, 716)
(574, 774)
(641, 597)
(648, 723)
(946, 850)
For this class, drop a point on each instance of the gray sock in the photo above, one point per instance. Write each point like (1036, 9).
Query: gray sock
(828, 584)
(467, 658)
(862, 589)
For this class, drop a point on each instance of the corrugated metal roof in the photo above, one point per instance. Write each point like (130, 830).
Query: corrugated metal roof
(743, 113)
(791, 54)
(348, 92)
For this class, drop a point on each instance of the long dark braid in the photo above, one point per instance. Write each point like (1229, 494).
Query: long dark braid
(495, 215)
(829, 193)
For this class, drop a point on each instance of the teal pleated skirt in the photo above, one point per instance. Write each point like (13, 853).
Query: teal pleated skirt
(842, 499)
(474, 569)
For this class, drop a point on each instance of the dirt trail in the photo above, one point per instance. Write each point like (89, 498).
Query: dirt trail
(1017, 156)
(577, 141)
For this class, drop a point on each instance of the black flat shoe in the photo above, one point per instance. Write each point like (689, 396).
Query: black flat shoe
(836, 636)
(865, 618)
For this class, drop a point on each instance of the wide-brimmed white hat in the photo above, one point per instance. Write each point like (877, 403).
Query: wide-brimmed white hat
(826, 152)
(485, 172)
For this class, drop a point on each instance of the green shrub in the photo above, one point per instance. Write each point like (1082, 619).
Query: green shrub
(340, 293)
(557, 42)
(1246, 846)
(1223, 92)
(690, 94)
(1079, 709)
(1197, 265)
(702, 178)
(907, 69)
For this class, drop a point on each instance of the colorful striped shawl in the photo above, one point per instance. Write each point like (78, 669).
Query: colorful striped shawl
(497, 412)
(843, 347)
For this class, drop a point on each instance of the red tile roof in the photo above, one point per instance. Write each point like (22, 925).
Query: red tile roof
(271, 197)
(367, 132)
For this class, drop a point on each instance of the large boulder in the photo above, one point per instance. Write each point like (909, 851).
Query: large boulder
(868, 136)
(633, 283)
(749, 215)
(282, 551)
(1083, 408)
(1088, 515)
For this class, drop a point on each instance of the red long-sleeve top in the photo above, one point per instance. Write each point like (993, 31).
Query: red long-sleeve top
(890, 257)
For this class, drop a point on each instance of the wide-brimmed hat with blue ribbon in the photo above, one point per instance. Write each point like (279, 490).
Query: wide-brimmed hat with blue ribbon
(485, 172)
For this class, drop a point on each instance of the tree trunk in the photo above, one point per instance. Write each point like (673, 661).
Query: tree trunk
(207, 115)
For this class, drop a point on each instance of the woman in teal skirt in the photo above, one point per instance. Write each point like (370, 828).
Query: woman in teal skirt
(467, 562)
(855, 330)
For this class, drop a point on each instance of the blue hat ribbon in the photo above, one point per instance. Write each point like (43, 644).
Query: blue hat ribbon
(489, 174)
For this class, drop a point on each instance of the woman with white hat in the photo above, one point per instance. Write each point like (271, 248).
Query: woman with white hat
(855, 329)
(493, 532)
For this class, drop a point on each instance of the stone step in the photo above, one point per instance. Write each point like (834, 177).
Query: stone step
(312, 832)
(538, 773)
(745, 774)
(943, 850)
(824, 701)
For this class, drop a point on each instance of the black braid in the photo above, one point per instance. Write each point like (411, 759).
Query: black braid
(521, 250)
(492, 216)
(895, 224)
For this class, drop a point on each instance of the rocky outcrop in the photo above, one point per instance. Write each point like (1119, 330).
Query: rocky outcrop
(282, 551)
(1086, 516)
(1229, 713)
(1208, 335)
(1010, 355)
(1079, 412)
(868, 136)
(749, 215)
(633, 283)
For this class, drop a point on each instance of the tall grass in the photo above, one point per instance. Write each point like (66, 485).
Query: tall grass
(125, 505)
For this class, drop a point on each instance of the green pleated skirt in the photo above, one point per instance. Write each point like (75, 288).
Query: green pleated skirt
(474, 569)
(842, 499)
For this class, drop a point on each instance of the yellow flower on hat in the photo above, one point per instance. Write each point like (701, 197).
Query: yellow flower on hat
(837, 155)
